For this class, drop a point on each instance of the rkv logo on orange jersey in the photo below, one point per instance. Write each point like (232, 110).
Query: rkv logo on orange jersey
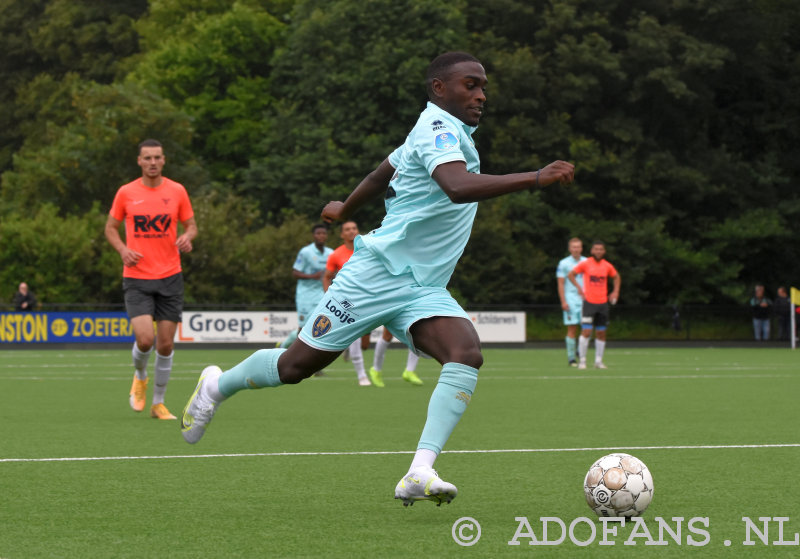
(151, 224)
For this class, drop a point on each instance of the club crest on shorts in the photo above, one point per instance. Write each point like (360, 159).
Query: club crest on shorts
(321, 326)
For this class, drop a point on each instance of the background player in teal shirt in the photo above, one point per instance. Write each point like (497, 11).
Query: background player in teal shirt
(398, 273)
(308, 269)
(571, 301)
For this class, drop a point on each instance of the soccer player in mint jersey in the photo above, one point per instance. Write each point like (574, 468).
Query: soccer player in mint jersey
(308, 269)
(398, 275)
(571, 302)
(151, 207)
(596, 273)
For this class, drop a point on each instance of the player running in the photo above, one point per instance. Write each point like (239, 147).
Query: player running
(398, 275)
(151, 208)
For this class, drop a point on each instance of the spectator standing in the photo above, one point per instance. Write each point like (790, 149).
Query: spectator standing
(783, 312)
(761, 306)
(24, 299)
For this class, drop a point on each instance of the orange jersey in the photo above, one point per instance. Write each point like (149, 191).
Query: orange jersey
(338, 258)
(151, 217)
(595, 279)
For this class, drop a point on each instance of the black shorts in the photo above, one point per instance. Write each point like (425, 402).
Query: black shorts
(160, 298)
(594, 315)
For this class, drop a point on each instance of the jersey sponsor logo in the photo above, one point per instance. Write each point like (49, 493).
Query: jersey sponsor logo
(166, 201)
(151, 224)
(321, 326)
(342, 314)
(445, 140)
(437, 125)
(346, 305)
(599, 280)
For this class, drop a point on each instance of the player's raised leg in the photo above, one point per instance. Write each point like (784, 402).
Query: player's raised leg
(266, 368)
(144, 335)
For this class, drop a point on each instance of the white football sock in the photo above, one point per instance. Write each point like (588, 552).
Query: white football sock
(599, 348)
(140, 359)
(411, 361)
(583, 348)
(423, 457)
(357, 357)
(163, 369)
(380, 353)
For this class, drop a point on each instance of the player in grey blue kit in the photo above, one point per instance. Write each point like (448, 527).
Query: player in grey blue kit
(398, 275)
(308, 269)
(571, 301)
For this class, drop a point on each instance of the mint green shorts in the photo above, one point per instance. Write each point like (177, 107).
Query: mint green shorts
(364, 296)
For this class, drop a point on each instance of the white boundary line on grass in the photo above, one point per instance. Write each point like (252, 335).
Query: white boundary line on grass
(396, 452)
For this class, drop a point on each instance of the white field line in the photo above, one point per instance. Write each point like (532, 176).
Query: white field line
(483, 378)
(398, 452)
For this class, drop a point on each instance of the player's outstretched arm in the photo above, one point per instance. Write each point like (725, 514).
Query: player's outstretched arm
(462, 186)
(373, 185)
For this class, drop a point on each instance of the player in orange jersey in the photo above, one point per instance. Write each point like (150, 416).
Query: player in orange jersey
(596, 273)
(151, 208)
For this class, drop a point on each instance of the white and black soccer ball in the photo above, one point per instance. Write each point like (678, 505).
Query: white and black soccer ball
(618, 485)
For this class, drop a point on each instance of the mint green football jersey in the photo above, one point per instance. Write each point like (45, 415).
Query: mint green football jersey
(310, 260)
(424, 232)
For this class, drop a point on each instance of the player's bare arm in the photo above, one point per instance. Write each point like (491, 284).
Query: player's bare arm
(184, 242)
(372, 186)
(614, 297)
(327, 279)
(297, 274)
(129, 257)
(572, 277)
(462, 187)
(561, 294)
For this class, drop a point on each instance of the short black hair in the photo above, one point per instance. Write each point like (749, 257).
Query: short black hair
(149, 144)
(598, 242)
(440, 66)
(318, 226)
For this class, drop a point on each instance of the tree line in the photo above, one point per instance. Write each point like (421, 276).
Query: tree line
(681, 118)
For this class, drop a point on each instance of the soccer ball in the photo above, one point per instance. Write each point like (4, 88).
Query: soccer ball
(618, 485)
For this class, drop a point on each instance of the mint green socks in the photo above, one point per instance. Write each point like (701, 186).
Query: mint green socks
(257, 371)
(571, 346)
(448, 402)
(288, 341)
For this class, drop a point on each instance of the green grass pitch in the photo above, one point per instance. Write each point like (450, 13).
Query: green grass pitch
(310, 470)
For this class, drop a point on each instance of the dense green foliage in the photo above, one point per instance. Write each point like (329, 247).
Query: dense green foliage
(681, 117)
